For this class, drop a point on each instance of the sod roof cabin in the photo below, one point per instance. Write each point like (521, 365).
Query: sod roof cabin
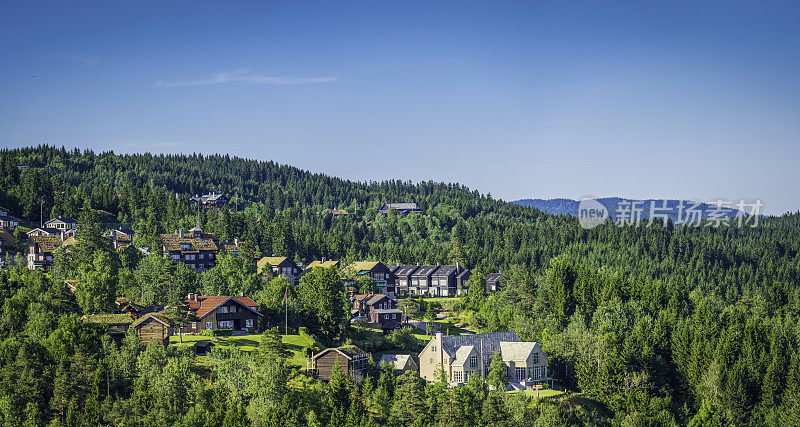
(350, 359)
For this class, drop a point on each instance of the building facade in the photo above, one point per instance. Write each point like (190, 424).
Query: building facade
(195, 249)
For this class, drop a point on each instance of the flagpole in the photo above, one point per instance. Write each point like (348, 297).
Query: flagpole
(286, 312)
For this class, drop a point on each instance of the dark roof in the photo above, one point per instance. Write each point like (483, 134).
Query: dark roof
(405, 270)
(348, 351)
(463, 273)
(48, 230)
(206, 198)
(490, 341)
(8, 218)
(425, 270)
(375, 299)
(493, 277)
(445, 270)
(63, 219)
(158, 317)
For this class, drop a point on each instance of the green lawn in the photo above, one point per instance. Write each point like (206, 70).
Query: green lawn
(294, 343)
(538, 393)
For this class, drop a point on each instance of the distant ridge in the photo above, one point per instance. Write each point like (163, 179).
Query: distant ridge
(570, 207)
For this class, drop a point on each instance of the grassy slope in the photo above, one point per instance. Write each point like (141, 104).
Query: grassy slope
(295, 344)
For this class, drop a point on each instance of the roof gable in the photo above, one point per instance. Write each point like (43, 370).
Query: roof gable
(206, 304)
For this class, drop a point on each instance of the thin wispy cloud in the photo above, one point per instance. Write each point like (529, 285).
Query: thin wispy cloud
(245, 76)
(78, 59)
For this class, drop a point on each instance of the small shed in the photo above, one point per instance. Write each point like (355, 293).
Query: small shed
(154, 326)
(401, 362)
(351, 360)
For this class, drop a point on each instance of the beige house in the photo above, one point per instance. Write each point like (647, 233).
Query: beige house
(464, 355)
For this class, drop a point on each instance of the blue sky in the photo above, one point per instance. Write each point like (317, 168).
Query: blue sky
(525, 99)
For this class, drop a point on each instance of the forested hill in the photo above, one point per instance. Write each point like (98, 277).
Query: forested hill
(570, 207)
(660, 324)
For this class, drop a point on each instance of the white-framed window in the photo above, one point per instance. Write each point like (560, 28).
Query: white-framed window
(519, 373)
(176, 257)
(223, 310)
(232, 309)
(202, 256)
(194, 325)
(535, 358)
(225, 324)
(473, 361)
(248, 323)
(458, 376)
(209, 325)
(394, 316)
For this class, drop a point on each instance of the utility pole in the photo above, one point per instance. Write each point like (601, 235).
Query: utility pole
(41, 212)
(237, 199)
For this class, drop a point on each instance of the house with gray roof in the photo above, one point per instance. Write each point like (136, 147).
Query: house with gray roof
(401, 208)
(446, 280)
(462, 356)
(421, 279)
(400, 362)
(403, 273)
(493, 281)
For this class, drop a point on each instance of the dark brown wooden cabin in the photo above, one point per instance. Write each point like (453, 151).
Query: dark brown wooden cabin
(154, 326)
(351, 359)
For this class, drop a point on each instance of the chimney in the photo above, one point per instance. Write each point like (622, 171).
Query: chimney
(458, 267)
(191, 297)
(241, 293)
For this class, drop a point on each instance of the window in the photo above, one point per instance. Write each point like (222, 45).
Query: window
(248, 323)
(431, 361)
(473, 361)
(232, 309)
(519, 373)
(176, 257)
(202, 256)
(535, 358)
(222, 310)
(458, 376)
(225, 324)
(209, 325)
(394, 316)
(194, 325)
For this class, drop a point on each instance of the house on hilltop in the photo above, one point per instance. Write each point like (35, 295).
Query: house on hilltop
(195, 249)
(6, 220)
(212, 200)
(62, 224)
(421, 279)
(41, 250)
(493, 281)
(403, 274)
(447, 280)
(238, 313)
(379, 309)
(379, 272)
(462, 356)
(280, 265)
(401, 208)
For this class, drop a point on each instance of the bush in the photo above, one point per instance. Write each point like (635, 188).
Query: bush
(404, 338)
